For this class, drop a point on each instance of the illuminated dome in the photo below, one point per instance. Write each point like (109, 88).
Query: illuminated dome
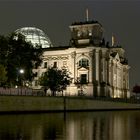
(35, 36)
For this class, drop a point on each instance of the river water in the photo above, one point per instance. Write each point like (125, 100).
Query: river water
(106, 125)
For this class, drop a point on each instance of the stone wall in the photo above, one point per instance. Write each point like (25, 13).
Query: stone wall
(38, 104)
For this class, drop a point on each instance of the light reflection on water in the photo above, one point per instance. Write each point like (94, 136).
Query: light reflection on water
(112, 125)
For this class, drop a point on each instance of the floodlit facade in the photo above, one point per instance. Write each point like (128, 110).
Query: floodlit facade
(103, 69)
(35, 36)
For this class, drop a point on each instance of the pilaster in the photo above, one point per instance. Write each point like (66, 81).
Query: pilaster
(97, 65)
(73, 65)
(91, 68)
(97, 71)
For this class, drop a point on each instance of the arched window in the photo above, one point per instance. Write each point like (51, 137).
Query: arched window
(84, 62)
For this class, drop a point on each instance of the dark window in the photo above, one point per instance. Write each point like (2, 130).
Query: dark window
(45, 64)
(84, 63)
(83, 78)
(36, 66)
(36, 83)
(55, 65)
(42, 73)
(35, 74)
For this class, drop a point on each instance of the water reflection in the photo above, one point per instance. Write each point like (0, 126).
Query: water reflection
(123, 125)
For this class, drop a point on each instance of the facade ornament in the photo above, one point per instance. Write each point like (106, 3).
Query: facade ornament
(91, 53)
(73, 54)
(56, 58)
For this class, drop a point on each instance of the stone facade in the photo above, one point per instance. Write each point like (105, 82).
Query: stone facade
(102, 68)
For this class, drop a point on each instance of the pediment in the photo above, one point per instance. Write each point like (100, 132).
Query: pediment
(82, 69)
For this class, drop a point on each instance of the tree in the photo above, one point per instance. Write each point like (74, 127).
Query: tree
(4, 50)
(3, 76)
(21, 55)
(55, 80)
(16, 54)
(136, 89)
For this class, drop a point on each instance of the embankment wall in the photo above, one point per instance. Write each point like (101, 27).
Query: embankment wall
(44, 104)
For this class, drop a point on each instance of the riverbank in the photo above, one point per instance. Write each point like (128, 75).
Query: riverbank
(57, 104)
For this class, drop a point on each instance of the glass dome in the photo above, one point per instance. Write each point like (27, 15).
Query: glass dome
(35, 36)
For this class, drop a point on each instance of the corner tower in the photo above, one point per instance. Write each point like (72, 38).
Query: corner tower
(86, 33)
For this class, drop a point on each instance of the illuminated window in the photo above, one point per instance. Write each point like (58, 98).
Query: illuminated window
(84, 63)
(90, 33)
(79, 33)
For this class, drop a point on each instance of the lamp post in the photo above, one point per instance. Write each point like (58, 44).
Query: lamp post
(21, 72)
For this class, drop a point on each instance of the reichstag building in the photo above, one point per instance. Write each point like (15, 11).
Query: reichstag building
(88, 57)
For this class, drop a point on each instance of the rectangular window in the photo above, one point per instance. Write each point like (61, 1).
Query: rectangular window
(36, 66)
(84, 63)
(45, 64)
(36, 83)
(55, 64)
(83, 78)
(35, 74)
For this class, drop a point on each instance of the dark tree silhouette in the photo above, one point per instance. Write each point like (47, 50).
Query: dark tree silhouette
(16, 54)
(3, 76)
(4, 50)
(136, 89)
(55, 80)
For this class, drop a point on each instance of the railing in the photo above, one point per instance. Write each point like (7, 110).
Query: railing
(20, 91)
(34, 92)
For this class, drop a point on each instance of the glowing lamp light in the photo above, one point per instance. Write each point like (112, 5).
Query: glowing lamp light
(21, 71)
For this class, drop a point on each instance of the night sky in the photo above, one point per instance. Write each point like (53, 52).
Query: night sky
(120, 17)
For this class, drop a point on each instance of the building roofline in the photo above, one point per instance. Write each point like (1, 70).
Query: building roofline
(56, 48)
(85, 22)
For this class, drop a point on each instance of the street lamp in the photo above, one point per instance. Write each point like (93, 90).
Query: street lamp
(21, 75)
(21, 72)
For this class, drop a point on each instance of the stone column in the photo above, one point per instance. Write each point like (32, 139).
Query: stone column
(108, 76)
(112, 78)
(91, 68)
(104, 75)
(107, 71)
(128, 92)
(97, 71)
(117, 79)
(73, 65)
(97, 65)
(73, 88)
(104, 68)
(91, 72)
(127, 77)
